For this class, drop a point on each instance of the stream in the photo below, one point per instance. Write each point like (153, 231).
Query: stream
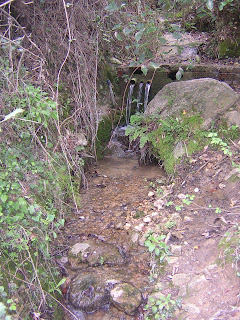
(117, 194)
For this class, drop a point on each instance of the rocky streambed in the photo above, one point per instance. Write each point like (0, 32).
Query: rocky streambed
(110, 272)
(106, 267)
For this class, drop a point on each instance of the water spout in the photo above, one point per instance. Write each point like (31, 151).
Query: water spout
(146, 94)
(111, 92)
(139, 96)
(129, 101)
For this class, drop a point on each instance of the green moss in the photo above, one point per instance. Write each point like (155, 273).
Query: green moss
(229, 49)
(103, 135)
(159, 137)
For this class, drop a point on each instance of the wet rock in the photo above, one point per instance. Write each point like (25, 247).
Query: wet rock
(139, 227)
(207, 96)
(127, 226)
(182, 196)
(161, 286)
(95, 253)
(88, 293)
(151, 194)
(126, 297)
(176, 218)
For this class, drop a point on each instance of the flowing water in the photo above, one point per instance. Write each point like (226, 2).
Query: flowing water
(139, 96)
(129, 102)
(146, 94)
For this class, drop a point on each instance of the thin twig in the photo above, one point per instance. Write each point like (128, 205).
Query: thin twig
(5, 3)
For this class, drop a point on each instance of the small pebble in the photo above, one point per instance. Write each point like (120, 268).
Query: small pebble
(139, 227)
(151, 194)
(127, 226)
(182, 196)
(147, 219)
(196, 190)
(221, 185)
(188, 219)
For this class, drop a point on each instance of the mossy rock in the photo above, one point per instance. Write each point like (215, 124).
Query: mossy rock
(229, 49)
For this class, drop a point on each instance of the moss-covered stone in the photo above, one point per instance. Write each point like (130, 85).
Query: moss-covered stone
(229, 48)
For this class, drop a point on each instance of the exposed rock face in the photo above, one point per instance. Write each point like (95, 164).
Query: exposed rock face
(209, 97)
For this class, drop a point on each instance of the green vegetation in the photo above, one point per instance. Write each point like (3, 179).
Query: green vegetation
(104, 131)
(157, 246)
(35, 186)
(161, 307)
(159, 137)
(230, 248)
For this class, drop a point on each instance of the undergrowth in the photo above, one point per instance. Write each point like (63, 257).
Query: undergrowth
(170, 138)
(36, 192)
(158, 137)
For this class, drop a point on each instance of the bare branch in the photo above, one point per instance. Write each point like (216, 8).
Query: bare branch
(5, 3)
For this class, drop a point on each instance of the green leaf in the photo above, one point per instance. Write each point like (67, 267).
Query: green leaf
(154, 309)
(138, 35)
(127, 30)
(4, 197)
(144, 69)
(162, 40)
(112, 7)
(51, 217)
(209, 4)
(117, 26)
(157, 251)
(118, 36)
(61, 282)
(154, 65)
(177, 35)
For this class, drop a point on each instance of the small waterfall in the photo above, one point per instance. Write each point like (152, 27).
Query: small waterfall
(146, 94)
(129, 101)
(139, 96)
(111, 92)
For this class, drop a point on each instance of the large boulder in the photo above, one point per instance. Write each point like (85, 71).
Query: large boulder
(209, 97)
